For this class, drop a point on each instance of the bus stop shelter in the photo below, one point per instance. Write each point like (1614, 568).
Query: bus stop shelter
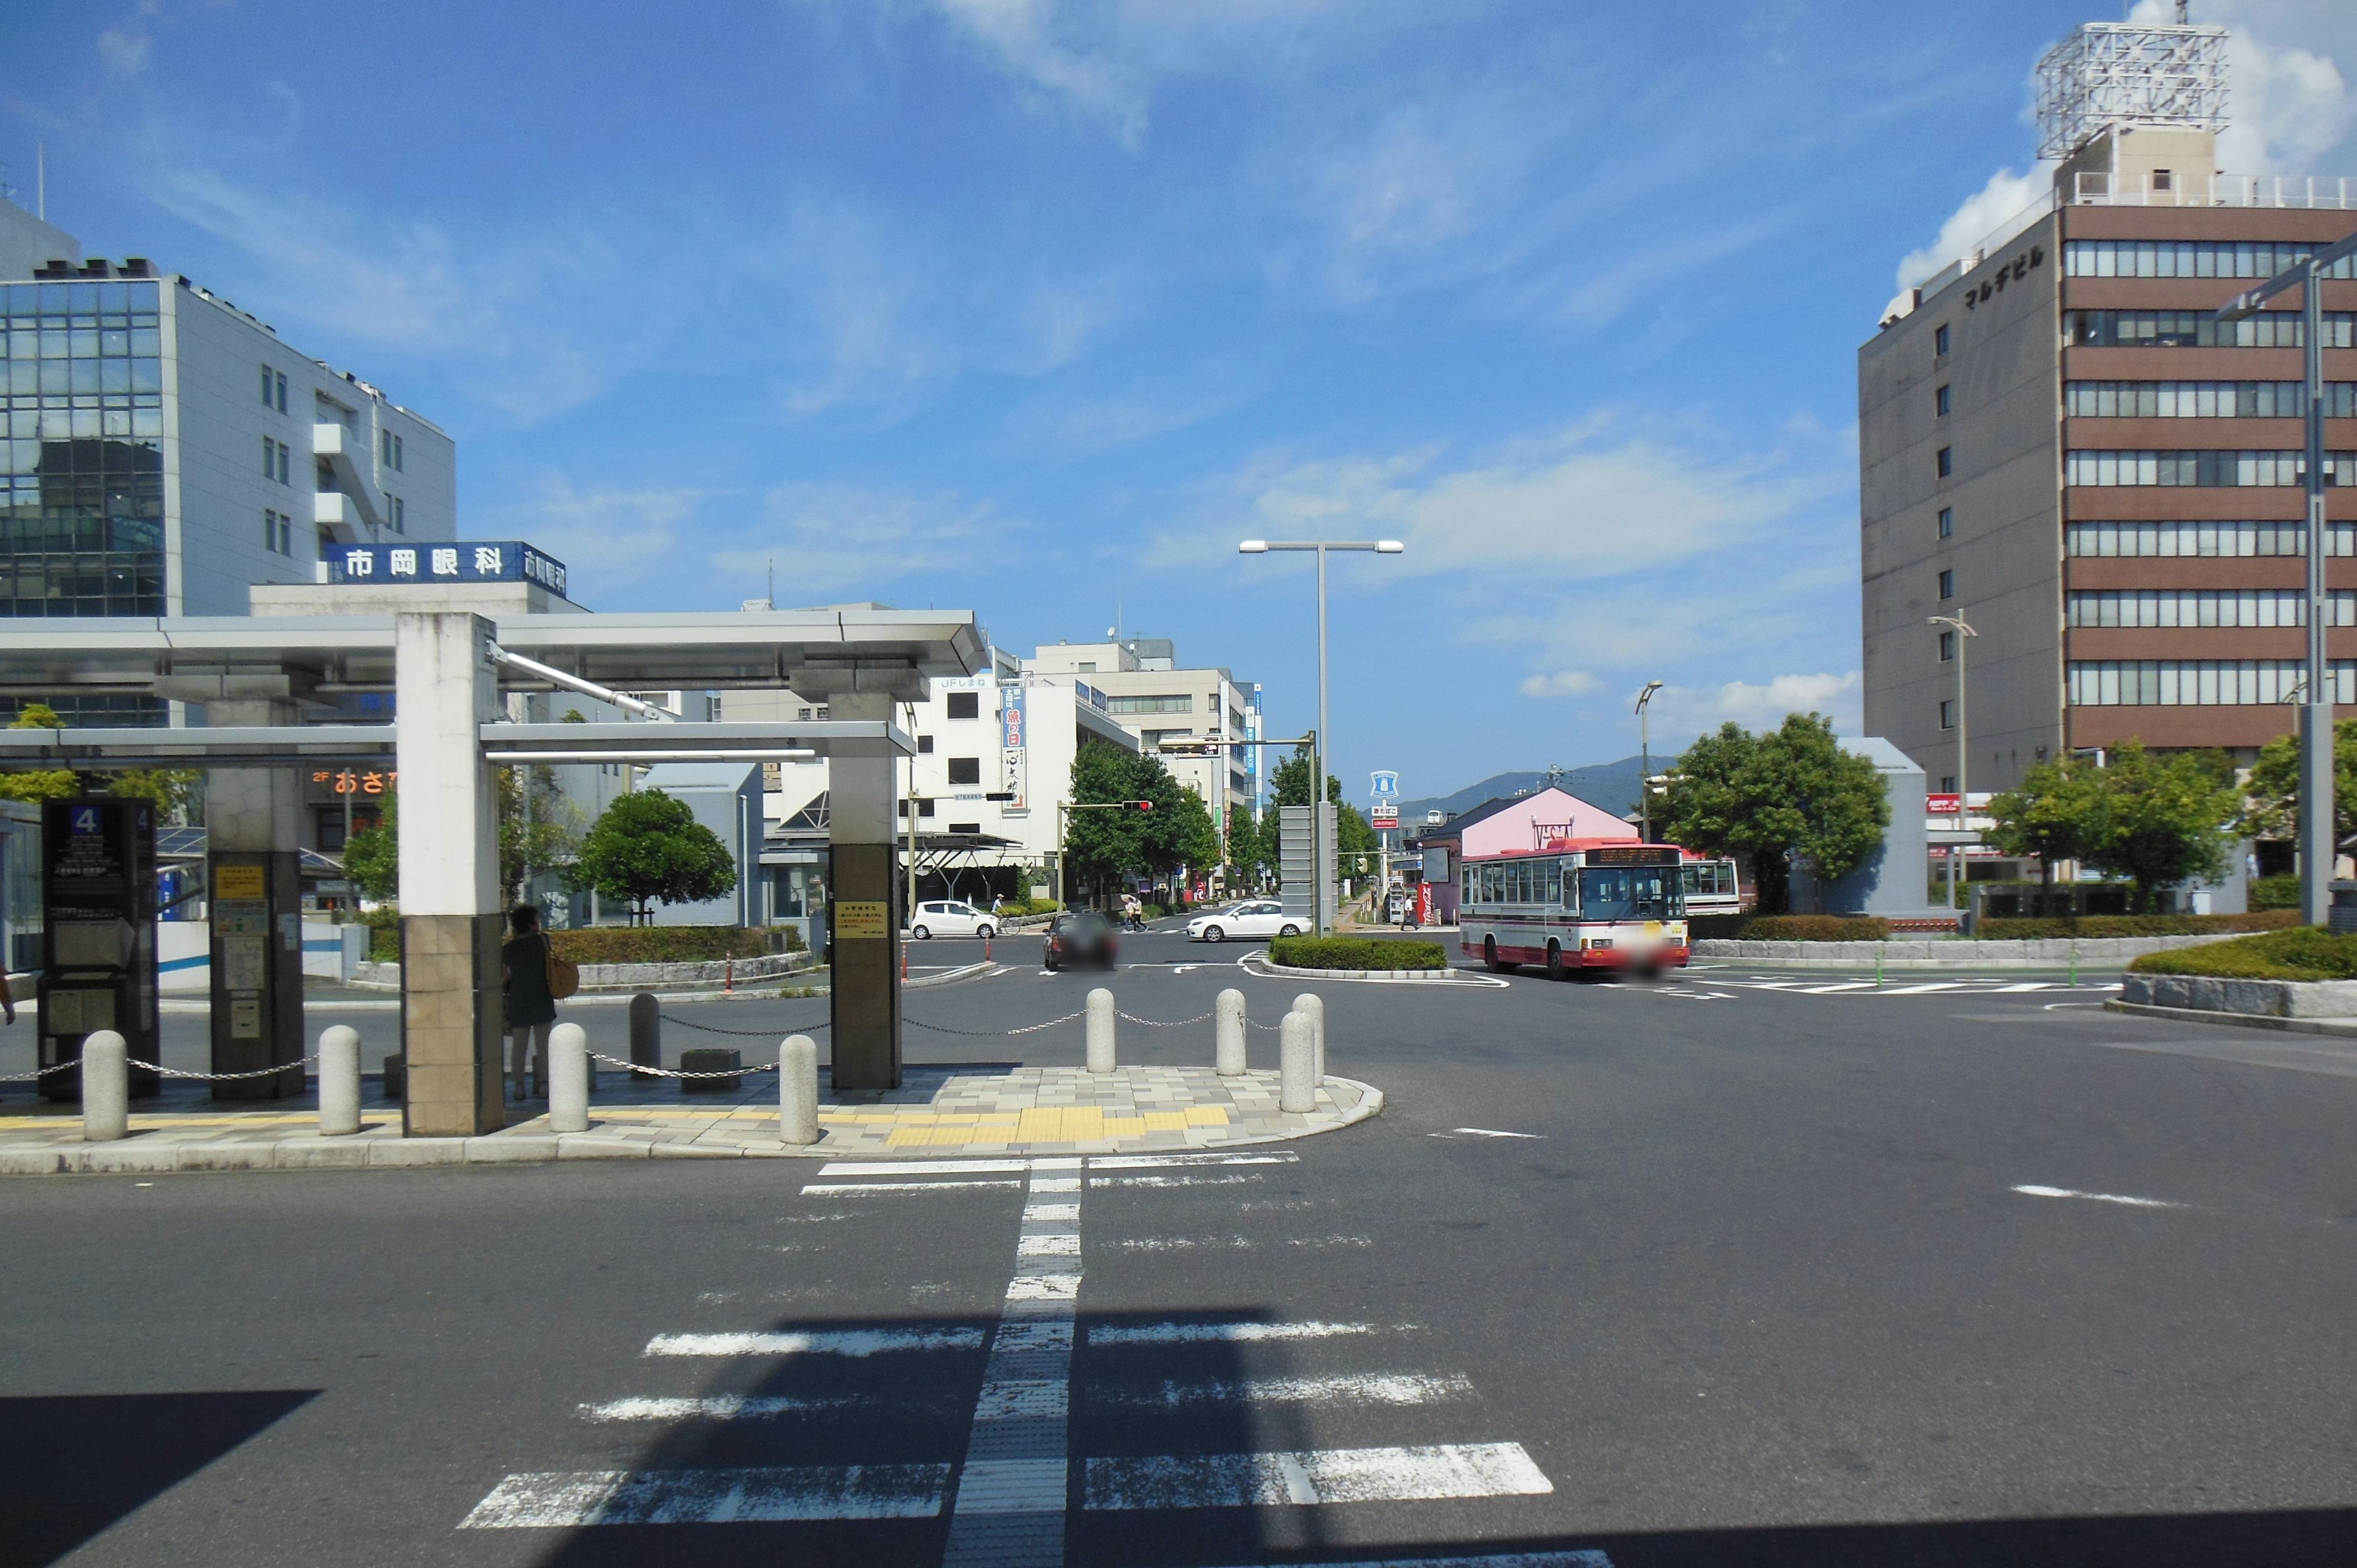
(255, 677)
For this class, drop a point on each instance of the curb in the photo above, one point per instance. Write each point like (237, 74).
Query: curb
(965, 971)
(2346, 1028)
(1255, 964)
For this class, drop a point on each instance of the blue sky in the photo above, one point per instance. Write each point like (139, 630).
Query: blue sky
(1036, 307)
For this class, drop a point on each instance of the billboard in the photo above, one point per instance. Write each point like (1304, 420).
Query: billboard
(510, 561)
(1014, 770)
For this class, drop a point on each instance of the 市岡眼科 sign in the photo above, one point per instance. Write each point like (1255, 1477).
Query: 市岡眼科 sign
(508, 561)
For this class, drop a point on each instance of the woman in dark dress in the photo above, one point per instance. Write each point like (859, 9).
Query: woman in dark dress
(532, 1010)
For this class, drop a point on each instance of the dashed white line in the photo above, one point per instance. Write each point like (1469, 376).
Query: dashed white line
(1313, 1476)
(858, 1343)
(2030, 1191)
(1176, 1180)
(837, 1189)
(569, 1499)
(1493, 1133)
(718, 1407)
(1219, 1333)
(1354, 1388)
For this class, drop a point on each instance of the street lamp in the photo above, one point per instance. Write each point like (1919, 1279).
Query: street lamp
(1320, 852)
(2318, 848)
(1645, 755)
(1964, 634)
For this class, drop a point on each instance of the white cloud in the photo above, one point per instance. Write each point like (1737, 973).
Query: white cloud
(601, 528)
(2005, 195)
(1687, 710)
(831, 538)
(124, 48)
(1022, 37)
(1563, 683)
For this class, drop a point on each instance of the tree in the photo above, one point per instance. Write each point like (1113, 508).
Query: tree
(1791, 797)
(2272, 811)
(373, 855)
(546, 837)
(1103, 845)
(648, 847)
(2164, 819)
(1354, 841)
(41, 784)
(2055, 814)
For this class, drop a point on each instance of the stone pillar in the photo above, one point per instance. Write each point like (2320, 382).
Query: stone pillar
(865, 1001)
(445, 687)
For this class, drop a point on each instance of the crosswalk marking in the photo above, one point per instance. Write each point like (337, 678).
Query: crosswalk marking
(837, 1189)
(716, 1407)
(1349, 1387)
(854, 1342)
(1226, 1179)
(1157, 1162)
(1317, 1476)
(567, 1500)
(1218, 1332)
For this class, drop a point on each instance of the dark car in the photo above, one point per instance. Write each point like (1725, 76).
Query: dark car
(1081, 939)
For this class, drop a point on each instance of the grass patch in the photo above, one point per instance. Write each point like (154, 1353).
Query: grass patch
(2301, 952)
(2138, 925)
(1356, 952)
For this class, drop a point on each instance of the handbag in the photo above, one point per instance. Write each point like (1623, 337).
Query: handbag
(563, 976)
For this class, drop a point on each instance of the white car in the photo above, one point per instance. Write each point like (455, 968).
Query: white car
(1252, 917)
(948, 917)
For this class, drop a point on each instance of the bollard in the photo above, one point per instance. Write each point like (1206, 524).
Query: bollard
(646, 1033)
(1228, 1035)
(340, 1081)
(1296, 1089)
(1101, 1021)
(798, 1090)
(1312, 1005)
(568, 1079)
(105, 1088)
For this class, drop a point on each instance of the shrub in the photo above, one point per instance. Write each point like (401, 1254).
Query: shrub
(1016, 909)
(1356, 952)
(2137, 926)
(2300, 952)
(1789, 928)
(384, 934)
(659, 944)
(2281, 892)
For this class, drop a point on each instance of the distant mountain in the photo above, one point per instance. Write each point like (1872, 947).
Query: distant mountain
(1611, 785)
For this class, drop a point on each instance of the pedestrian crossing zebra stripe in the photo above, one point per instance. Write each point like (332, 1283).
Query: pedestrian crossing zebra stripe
(1313, 1476)
(1218, 1332)
(570, 1500)
(858, 1343)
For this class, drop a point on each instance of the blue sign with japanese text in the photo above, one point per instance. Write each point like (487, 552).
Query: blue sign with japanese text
(471, 561)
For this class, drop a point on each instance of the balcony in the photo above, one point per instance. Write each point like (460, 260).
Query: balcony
(2326, 193)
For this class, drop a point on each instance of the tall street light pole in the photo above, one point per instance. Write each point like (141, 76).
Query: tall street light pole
(2318, 847)
(1964, 635)
(1321, 853)
(1645, 761)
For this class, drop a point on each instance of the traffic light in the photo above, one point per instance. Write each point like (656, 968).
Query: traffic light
(1143, 805)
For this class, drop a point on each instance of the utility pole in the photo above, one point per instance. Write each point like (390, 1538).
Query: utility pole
(1645, 762)
(1964, 635)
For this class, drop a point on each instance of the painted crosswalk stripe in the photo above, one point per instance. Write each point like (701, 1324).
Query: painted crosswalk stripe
(1227, 1178)
(720, 1407)
(2033, 1191)
(569, 1499)
(1157, 1162)
(1927, 986)
(1011, 1489)
(853, 1342)
(837, 1189)
(1218, 1332)
(1351, 1388)
(1838, 987)
(1315, 1476)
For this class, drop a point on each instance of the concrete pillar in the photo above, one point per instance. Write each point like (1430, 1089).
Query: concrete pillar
(1312, 1007)
(798, 1090)
(865, 999)
(105, 1088)
(340, 1081)
(1229, 1057)
(568, 1079)
(1101, 1027)
(1296, 1089)
(445, 687)
(252, 849)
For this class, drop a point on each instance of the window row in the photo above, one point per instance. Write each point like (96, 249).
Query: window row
(2199, 682)
(25, 345)
(87, 378)
(2199, 330)
(66, 299)
(2202, 468)
(2218, 538)
(277, 532)
(278, 461)
(107, 585)
(273, 389)
(2203, 607)
(1183, 704)
(2190, 258)
(2203, 399)
(390, 449)
(55, 424)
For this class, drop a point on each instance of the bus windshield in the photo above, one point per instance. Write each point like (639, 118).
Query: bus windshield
(1629, 893)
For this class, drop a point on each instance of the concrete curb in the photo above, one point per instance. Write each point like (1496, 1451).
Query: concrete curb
(965, 971)
(1254, 963)
(1964, 952)
(2345, 1028)
(377, 1149)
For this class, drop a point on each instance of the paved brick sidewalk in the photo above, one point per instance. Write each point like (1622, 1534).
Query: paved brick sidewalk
(939, 1111)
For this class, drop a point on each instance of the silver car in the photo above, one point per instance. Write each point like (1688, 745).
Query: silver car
(950, 917)
(1252, 918)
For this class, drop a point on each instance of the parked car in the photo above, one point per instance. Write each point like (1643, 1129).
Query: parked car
(1252, 918)
(1082, 937)
(949, 918)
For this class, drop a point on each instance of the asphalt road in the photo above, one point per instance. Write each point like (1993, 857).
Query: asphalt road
(1754, 1281)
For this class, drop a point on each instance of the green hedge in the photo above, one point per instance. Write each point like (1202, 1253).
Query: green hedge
(1356, 952)
(661, 944)
(2302, 952)
(2280, 892)
(2137, 925)
(1787, 927)
(1016, 909)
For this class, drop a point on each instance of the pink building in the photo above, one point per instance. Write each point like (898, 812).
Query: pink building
(1496, 827)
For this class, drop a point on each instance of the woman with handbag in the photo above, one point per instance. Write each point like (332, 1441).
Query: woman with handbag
(529, 964)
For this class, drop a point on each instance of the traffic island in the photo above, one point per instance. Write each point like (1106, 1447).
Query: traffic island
(939, 1112)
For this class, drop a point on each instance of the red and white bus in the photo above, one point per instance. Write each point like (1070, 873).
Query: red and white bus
(1712, 886)
(1575, 905)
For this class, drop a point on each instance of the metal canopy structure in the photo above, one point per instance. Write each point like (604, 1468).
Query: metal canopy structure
(818, 653)
(2130, 73)
(263, 746)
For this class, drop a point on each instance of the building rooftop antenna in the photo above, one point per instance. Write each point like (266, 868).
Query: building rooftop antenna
(2107, 75)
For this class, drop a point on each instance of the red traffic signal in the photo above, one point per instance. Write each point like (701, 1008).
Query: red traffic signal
(1143, 805)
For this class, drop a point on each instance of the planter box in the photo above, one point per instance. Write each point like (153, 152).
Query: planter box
(2258, 998)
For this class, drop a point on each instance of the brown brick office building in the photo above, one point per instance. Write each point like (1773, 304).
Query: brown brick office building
(2057, 444)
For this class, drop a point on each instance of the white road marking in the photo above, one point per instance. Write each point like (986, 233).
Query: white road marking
(1157, 1161)
(1182, 1243)
(837, 1189)
(923, 1167)
(2095, 1196)
(567, 1499)
(1838, 986)
(716, 1407)
(854, 1342)
(1219, 1333)
(1175, 1180)
(1493, 1133)
(1928, 985)
(1313, 1476)
(1354, 1388)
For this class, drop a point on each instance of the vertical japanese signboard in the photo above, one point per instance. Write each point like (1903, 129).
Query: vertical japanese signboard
(1014, 772)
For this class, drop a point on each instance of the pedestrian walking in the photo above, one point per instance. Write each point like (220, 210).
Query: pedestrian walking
(525, 964)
